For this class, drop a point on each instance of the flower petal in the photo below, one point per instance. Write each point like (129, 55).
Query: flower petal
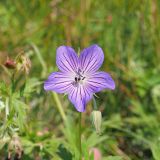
(99, 81)
(91, 59)
(58, 82)
(79, 96)
(67, 59)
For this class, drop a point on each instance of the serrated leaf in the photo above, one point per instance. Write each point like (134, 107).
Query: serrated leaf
(20, 109)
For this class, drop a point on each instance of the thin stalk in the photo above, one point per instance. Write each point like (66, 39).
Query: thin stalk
(59, 106)
(41, 60)
(94, 104)
(79, 137)
(7, 108)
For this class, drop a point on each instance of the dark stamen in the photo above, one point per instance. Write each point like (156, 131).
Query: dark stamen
(76, 79)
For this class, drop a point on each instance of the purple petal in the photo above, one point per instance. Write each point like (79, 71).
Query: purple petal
(91, 59)
(66, 59)
(59, 82)
(99, 81)
(79, 96)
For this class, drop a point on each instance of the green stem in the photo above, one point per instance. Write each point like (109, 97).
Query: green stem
(7, 107)
(59, 106)
(79, 137)
(94, 104)
(41, 60)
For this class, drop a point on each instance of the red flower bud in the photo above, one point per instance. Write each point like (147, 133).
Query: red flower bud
(10, 64)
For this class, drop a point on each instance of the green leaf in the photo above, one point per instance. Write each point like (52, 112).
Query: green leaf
(155, 148)
(20, 112)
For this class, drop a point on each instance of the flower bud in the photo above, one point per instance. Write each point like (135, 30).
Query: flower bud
(10, 64)
(96, 152)
(97, 120)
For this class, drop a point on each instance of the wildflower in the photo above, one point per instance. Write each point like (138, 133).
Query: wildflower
(79, 77)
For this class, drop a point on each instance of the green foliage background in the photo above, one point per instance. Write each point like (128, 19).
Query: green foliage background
(128, 32)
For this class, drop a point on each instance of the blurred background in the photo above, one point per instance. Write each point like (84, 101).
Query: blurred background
(31, 126)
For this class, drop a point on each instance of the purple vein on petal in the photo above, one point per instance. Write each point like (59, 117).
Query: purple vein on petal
(81, 94)
(65, 66)
(88, 66)
(84, 58)
(68, 61)
(63, 87)
(88, 62)
(73, 60)
(94, 82)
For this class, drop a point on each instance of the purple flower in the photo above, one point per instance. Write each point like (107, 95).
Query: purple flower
(79, 77)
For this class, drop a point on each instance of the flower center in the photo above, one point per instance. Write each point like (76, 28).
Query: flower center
(79, 78)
